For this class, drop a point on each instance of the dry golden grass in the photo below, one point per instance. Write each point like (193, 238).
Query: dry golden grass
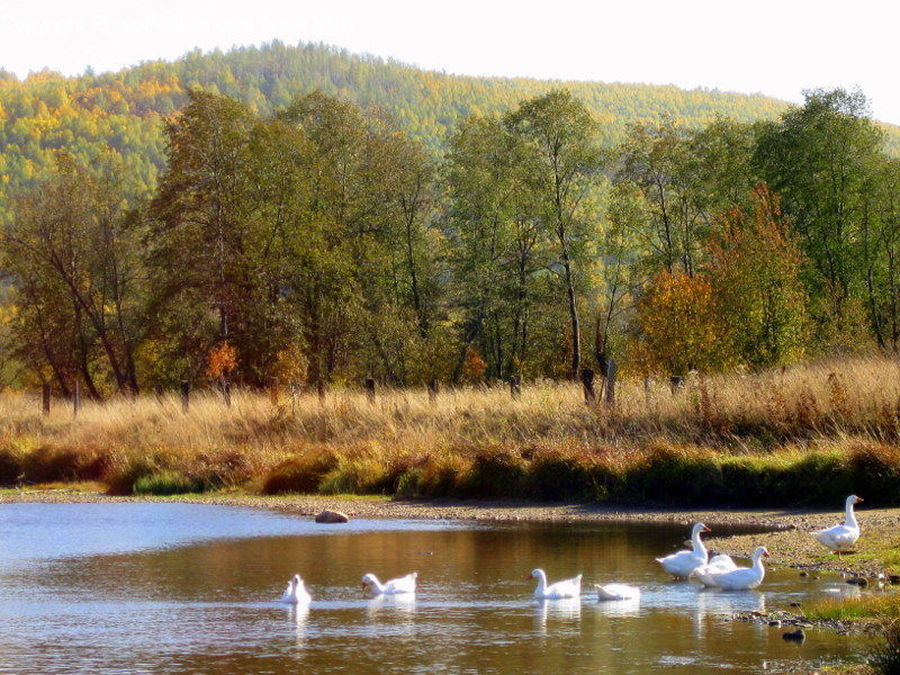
(360, 446)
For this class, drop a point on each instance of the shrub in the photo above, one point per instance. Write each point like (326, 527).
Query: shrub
(556, 477)
(47, 464)
(675, 476)
(494, 473)
(166, 483)
(875, 472)
(121, 480)
(301, 474)
(885, 659)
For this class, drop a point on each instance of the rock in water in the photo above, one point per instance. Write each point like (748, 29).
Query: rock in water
(794, 635)
(332, 517)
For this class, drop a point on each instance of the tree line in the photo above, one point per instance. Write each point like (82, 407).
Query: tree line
(322, 243)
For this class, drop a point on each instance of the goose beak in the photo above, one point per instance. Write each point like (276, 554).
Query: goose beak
(706, 529)
(859, 499)
(363, 586)
(527, 577)
(766, 554)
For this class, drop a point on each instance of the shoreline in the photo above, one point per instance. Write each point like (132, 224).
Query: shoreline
(782, 531)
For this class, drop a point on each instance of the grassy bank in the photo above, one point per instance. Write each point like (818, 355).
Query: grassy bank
(804, 436)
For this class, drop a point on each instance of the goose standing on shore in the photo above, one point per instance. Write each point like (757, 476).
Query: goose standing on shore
(841, 537)
(295, 593)
(681, 564)
(567, 588)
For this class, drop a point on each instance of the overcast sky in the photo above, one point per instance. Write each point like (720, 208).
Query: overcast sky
(773, 47)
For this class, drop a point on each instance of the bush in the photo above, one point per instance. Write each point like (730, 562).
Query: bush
(675, 476)
(166, 483)
(494, 473)
(121, 481)
(48, 464)
(885, 659)
(876, 473)
(555, 477)
(301, 474)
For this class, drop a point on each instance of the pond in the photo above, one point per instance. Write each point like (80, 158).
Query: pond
(181, 588)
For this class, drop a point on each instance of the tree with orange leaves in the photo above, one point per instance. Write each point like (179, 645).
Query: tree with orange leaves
(754, 266)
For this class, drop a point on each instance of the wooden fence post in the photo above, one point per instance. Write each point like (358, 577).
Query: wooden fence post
(275, 391)
(609, 382)
(434, 388)
(515, 387)
(370, 389)
(320, 390)
(587, 382)
(76, 399)
(45, 398)
(185, 396)
(676, 384)
(226, 392)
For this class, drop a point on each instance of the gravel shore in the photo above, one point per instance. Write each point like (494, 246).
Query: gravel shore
(783, 532)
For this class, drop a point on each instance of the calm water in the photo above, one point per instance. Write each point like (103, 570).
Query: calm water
(176, 588)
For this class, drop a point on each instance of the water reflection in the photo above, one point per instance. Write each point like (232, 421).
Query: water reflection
(298, 616)
(630, 607)
(401, 605)
(564, 610)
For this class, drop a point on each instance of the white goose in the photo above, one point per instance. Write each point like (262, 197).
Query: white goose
(841, 537)
(617, 592)
(718, 564)
(681, 564)
(742, 578)
(295, 593)
(567, 588)
(405, 584)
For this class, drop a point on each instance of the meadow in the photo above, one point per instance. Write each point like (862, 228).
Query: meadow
(805, 435)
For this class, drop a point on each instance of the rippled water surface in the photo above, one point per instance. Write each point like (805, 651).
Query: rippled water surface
(178, 588)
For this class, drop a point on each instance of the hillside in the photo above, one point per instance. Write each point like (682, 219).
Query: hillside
(122, 111)
(92, 114)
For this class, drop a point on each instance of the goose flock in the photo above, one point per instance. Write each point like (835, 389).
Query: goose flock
(719, 571)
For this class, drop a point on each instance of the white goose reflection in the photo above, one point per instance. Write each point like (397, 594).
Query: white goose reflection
(402, 605)
(298, 615)
(630, 607)
(712, 602)
(567, 610)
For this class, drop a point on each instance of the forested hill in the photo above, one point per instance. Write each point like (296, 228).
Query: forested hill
(91, 114)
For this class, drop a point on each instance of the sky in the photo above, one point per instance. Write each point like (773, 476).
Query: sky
(778, 48)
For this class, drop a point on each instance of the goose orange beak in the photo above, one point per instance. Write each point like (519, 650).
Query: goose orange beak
(706, 529)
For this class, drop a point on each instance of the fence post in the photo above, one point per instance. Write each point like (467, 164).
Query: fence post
(76, 399)
(45, 398)
(275, 391)
(676, 384)
(515, 387)
(587, 382)
(185, 396)
(370, 389)
(610, 382)
(226, 392)
(434, 388)
(320, 390)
